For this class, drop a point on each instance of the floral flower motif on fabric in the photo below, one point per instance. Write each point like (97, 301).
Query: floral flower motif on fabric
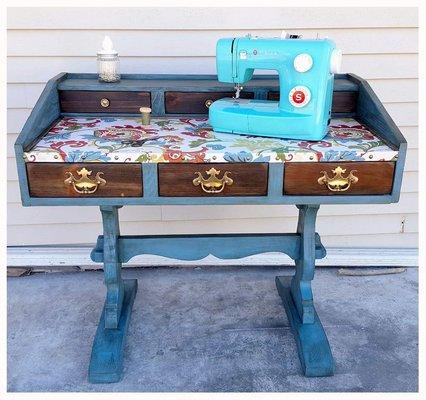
(173, 139)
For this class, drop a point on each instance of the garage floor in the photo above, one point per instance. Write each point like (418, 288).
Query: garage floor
(214, 329)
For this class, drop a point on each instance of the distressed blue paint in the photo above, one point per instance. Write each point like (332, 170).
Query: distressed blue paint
(305, 264)
(150, 182)
(372, 113)
(44, 113)
(112, 267)
(138, 82)
(196, 247)
(275, 180)
(253, 200)
(106, 361)
(312, 343)
(157, 102)
(399, 170)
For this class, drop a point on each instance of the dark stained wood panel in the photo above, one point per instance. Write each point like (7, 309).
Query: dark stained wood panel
(47, 179)
(195, 102)
(249, 179)
(374, 177)
(81, 101)
(343, 102)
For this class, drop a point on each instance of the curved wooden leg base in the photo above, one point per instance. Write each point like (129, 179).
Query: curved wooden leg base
(106, 361)
(312, 343)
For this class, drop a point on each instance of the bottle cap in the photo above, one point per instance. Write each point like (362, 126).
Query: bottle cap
(107, 47)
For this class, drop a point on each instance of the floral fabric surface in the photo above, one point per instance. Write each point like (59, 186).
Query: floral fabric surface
(124, 139)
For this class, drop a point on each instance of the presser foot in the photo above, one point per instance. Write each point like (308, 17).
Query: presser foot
(312, 343)
(106, 361)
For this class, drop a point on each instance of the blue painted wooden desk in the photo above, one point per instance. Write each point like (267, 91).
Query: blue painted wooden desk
(54, 155)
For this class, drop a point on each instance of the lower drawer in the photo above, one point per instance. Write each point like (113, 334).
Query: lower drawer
(217, 179)
(343, 178)
(84, 180)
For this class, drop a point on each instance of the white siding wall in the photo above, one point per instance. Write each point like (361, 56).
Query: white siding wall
(378, 44)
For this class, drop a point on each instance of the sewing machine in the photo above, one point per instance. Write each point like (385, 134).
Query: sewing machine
(305, 69)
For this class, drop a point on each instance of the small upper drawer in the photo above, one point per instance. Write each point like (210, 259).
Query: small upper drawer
(195, 102)
(345, 178)
(84, 180)
(213, 179)
(82, 101)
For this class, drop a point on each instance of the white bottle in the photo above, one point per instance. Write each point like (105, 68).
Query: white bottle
(108, 62)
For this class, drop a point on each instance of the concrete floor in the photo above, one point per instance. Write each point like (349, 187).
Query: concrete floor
(213, 329)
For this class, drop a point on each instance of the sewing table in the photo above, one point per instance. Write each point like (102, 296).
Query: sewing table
(84, 145)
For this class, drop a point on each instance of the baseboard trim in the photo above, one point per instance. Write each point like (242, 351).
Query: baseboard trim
(72, 256)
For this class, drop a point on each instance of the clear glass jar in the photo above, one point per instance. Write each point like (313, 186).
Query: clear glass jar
(108, 67)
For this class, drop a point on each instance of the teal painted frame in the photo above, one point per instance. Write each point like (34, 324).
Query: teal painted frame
(304, 246)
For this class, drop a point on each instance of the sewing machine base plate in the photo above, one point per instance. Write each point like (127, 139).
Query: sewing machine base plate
(264, 118)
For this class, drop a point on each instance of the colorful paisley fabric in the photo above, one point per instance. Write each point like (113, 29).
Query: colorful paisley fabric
(124, 139)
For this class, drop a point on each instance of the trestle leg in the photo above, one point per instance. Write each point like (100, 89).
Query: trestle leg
(106, 362)
(296, 294)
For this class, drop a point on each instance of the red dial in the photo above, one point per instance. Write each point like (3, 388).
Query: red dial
(298, 97)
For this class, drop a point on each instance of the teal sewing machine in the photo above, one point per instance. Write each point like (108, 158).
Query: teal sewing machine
(305, 69)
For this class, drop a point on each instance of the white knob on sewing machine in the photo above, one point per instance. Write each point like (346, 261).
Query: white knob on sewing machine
(303, 62)
(336, 61)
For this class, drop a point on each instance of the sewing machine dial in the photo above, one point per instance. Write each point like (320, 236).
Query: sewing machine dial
(299, 96)
(303, 62)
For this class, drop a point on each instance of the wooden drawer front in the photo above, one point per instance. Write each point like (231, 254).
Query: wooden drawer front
(89, 101)
(248, 179)
(195, 102)
(369, 178)
(343, 102)
(47, 179)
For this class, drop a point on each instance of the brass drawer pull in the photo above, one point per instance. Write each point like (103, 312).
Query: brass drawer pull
(213, 184)
(208, 103)
(104, 102)
(85, 185)
(338, 183)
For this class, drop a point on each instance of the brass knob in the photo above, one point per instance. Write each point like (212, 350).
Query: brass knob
(208, 103)
(105, 102)
(146, 115)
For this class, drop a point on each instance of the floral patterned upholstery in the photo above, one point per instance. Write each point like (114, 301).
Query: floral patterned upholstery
(123, 139)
